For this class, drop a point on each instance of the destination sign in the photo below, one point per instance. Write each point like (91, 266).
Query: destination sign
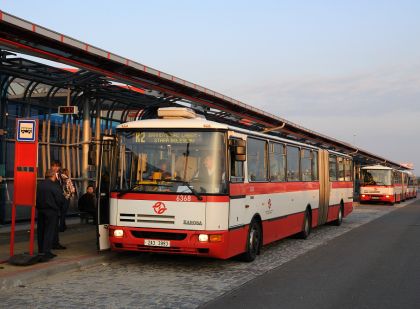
(168, 137)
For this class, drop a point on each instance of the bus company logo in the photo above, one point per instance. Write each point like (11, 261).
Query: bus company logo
(269, 203)
(159, 208)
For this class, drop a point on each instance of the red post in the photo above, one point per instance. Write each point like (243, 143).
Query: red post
(12, 230)
(25, 174)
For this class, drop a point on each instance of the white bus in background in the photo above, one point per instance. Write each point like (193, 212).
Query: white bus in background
(412, 185)
(381, 184)
(186, 185)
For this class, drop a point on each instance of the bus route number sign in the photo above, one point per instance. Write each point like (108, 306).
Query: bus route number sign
(164, 138)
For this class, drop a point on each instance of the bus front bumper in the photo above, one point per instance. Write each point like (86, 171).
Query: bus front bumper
(377, 198)
(185, 242)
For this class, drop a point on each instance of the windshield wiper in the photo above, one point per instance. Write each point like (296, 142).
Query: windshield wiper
(129, 189)
(188, 185)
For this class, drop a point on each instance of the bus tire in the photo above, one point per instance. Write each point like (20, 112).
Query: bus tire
(339, 217)
(253, 241)
(307, 225)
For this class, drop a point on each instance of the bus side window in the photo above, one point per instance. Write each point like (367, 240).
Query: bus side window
(236, 171)
(257, 160)
(277, 162)
(236, 167)
(347, 170)
(293, 160)
(333, 167)
(314, 165)
(340, 168)
(306, 170)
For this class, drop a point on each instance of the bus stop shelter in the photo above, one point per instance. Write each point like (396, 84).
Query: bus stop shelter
(107, 89)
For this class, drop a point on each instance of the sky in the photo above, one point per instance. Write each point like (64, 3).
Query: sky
(347, 69)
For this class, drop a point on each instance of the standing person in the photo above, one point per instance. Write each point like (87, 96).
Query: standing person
(49, 200)
(69, 191)
(56, 168)
(87, 203)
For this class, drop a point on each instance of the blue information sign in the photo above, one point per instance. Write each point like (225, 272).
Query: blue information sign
(26, 130)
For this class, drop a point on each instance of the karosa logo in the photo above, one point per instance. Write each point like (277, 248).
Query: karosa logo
(159, 208)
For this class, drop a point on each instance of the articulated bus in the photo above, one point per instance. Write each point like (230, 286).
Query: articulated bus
(185, 185)
(381, 184)
(412, 185)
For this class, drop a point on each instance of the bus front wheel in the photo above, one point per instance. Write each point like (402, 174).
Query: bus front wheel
(253, 241)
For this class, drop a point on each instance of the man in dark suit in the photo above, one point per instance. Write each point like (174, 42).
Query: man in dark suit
(56, 168)
(49, 200)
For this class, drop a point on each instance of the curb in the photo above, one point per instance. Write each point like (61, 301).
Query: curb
(50, 269)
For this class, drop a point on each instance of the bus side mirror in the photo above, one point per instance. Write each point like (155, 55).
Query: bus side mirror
(238, 149)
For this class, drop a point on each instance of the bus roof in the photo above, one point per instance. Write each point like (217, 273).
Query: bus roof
(173, 123)
(376, 167)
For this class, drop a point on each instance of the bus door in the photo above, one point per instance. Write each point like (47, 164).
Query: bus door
(237, 212)
(107, 159)
(324, 186)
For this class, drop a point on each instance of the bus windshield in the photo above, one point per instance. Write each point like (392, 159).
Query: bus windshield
(376, 177)
(190, 162)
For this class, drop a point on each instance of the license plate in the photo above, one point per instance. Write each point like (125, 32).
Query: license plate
(157, 243)
(375, 198)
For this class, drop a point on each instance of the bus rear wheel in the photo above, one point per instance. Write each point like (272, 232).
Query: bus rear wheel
(339, 217)
(307, 223)
(253, 241)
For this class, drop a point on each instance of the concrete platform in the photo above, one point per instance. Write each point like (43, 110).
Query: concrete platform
(80, 240)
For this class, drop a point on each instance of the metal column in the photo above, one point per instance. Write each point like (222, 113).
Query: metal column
(85, 143)
(98, 130)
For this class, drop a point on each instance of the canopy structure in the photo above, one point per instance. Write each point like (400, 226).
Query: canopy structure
(143, 88)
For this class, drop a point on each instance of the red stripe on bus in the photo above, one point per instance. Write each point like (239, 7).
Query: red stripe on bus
(341, 184)
(376, 186)
(271, 187)
(170, 197)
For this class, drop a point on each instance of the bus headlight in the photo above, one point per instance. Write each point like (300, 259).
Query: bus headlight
(203, 238)
(118, 233)
(387, 196)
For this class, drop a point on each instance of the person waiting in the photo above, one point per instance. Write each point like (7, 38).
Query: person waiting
(56, 168)
(69, 191)
(87, 203)
(49, 201)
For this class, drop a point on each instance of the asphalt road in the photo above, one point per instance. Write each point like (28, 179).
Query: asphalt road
(374, 266)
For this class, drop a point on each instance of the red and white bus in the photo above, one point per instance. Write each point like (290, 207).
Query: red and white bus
(412, 185)
(186, 185)
(381, 184)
